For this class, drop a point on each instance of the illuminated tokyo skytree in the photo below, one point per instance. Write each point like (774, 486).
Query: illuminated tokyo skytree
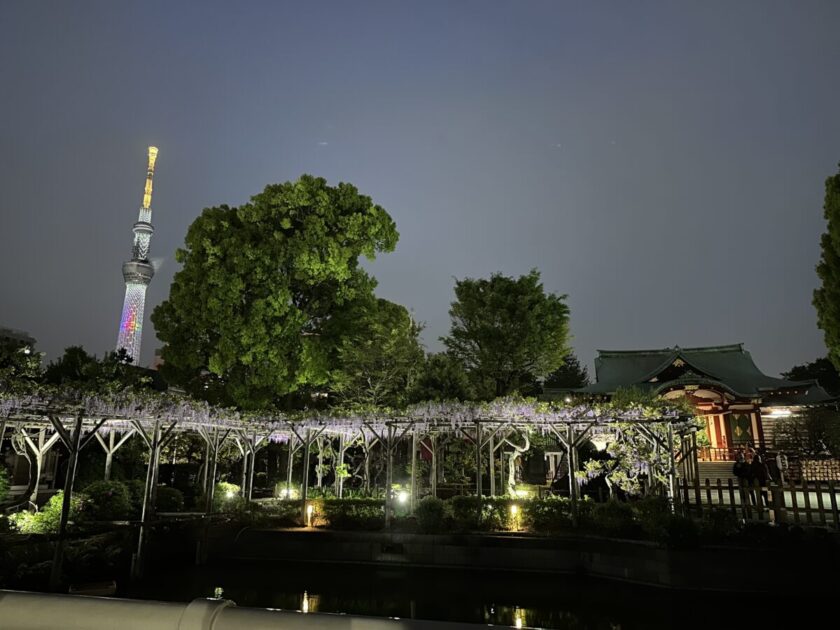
(138, 272)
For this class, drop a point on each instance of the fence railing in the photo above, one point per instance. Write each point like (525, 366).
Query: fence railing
(716, 454)
(37, 611)
(803, 503)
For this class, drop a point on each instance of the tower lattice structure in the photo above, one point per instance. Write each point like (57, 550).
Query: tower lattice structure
(138, 272)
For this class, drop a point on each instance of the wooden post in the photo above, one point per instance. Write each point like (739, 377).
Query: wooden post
(478, 488)
(573, 489)
(733, 507)
(778, 493)
(39, 450)
(319, 470)
(413, 497)
(833, 498)
(389, 476)
(243, 485)
(58, 555)
(794, 502)
(251, 467)
(111, 447)
(672, 473)
(148, 510)
(289, 466)
(305, 481)
(433, 480)
(478, 484)
(368, 446)
(696, 473)
(492, 448)
(339, 481)
(109, 455)
(210, 477)
(820, 504)
(809, 517)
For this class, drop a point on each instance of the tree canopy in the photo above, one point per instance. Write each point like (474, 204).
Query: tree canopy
(570, 375)
(379, 357)
(827, 296)
(114, 372)
(246, 318)
(441, 377)
(508, 332)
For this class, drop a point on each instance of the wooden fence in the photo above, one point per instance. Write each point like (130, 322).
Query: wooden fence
(803, 503)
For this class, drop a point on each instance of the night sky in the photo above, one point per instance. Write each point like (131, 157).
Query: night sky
(663, 165)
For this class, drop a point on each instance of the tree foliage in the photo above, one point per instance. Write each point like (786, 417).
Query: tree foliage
(822, 370)
(441, 377)
(379, 356)
(20, 365)
(827, 296)
(570, 375)
(114, 372)
(507, 331)
(246, 317)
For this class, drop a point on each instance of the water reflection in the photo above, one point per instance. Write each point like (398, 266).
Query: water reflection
(512, 600)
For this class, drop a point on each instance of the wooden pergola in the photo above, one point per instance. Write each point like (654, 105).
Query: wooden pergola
(76, 419)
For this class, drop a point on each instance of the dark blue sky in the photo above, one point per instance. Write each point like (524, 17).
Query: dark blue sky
(661, 164)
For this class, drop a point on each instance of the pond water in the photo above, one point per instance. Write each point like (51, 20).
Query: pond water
(499, 598)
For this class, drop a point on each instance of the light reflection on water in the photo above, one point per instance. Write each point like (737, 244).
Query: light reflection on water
(512, 600)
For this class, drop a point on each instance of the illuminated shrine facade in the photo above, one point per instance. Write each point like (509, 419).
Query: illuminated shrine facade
(738, 402)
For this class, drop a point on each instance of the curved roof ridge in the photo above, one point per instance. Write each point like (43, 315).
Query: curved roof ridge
(732, 347)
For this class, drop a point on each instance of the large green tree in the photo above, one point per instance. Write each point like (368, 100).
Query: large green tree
(379, 357)
(508, 332)
(827, 296)
(247, 317)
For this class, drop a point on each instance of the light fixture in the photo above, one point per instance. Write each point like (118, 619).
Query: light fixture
(402, 496)
(310, 510)
(229, 494)
(514, 509)
(304, 606)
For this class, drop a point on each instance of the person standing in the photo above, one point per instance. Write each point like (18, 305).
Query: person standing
(758, 477)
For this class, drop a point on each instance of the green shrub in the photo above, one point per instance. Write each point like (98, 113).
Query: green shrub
(431, 514)
(48, 519)
(365, 514)
(653, 515)
(282, 512)
(108, 501)
(465, 513)
(548, 515)
(614, 518)
(169, 499)
(136, 489)
(4, 483)
(496, 514)
(226, 498)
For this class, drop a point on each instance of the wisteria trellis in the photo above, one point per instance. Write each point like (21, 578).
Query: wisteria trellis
(121, 410)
